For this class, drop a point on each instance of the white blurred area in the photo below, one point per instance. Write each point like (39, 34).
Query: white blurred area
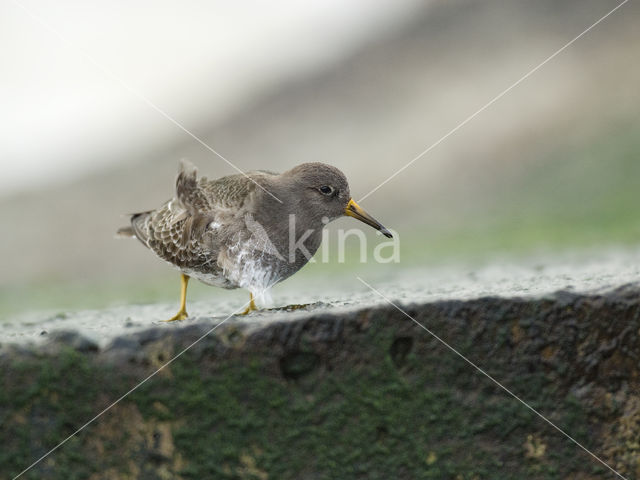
(363, 85)
(73, 71)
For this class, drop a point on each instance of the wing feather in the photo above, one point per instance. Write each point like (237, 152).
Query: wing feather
(175, 231)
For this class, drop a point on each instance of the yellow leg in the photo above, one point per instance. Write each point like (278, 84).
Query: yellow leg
(251, 307)
(182, 313)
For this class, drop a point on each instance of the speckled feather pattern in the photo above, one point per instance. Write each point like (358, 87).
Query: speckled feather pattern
(185, 230)
(229, 233)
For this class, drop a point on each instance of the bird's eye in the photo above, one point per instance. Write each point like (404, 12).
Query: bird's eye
(326, 190)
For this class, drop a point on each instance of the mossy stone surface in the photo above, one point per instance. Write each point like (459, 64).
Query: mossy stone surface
(365, 394)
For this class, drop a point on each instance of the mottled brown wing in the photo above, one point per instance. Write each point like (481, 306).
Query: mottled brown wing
(169, 233)
(176, 231)
(188, 191)
(199, 195)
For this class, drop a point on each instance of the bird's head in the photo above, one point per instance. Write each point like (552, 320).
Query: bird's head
(324, 191)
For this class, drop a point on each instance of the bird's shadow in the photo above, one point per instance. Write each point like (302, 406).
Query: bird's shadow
(295, 307)
(287, 308)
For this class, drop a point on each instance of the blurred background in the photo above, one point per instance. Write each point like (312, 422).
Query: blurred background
(367, 86)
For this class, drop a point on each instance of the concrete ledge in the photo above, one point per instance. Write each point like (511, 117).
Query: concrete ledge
(338, 393)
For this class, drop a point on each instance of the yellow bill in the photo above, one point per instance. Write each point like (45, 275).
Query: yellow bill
(354, 210)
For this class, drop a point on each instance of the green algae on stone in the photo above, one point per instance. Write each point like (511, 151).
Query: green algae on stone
(363, 394)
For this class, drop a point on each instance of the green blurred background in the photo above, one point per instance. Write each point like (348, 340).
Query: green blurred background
(553, 166)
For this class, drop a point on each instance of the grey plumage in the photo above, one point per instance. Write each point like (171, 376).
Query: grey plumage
(236, 231)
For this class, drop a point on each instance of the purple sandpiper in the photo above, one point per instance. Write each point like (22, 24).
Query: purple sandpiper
(248, 230)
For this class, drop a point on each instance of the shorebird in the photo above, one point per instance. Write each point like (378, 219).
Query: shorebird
(248, 230)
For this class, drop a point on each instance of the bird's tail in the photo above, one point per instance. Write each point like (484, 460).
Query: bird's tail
(136, 229)
(126, 232)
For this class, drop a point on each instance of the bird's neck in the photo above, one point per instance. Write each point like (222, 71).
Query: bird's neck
(288, 223)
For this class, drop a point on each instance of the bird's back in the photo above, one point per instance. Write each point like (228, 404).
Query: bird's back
(189, 230)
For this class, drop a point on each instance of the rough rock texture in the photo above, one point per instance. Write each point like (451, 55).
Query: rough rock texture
(344, 394)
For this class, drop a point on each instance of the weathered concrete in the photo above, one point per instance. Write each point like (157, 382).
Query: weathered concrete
(337, 391)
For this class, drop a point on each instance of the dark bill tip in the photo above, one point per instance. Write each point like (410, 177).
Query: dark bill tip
(354, 210)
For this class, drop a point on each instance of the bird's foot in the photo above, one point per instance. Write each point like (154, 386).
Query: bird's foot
(251, 307)
(248, 310)
(181, 315)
